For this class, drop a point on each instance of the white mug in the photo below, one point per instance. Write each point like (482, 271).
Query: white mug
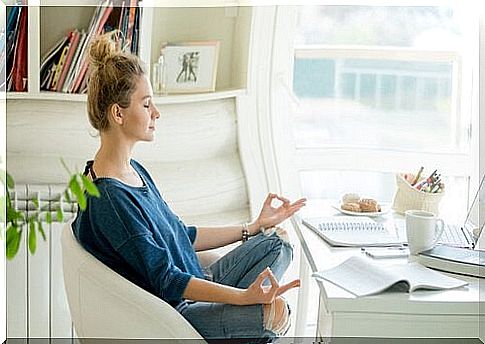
(423, 230)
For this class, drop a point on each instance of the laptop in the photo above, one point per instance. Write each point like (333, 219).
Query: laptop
(461, 235)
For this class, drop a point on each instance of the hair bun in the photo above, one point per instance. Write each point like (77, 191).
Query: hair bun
(102, 48)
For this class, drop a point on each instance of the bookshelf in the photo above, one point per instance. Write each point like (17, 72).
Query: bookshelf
(49, 21)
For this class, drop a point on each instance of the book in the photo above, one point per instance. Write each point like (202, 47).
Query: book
(74, 35)
(17, 49)
(19, 70)
(454, 259)
(52, 53)
(362, 277)
(131, 22)
(136, 32)
(353, 231)
(12, 34)
(95, 31)
(74, 62)
(60, 63)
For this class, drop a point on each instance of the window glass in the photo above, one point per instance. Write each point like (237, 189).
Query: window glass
(400, 92)
(403, 26)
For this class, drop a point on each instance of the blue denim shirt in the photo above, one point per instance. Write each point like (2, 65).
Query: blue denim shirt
(134, 232)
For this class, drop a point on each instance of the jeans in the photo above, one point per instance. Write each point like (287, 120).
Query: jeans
(239, 268)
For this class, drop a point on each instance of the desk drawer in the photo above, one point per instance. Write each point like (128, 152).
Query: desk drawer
(403, 325)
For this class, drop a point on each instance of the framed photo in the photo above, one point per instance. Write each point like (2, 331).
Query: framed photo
(191, 67)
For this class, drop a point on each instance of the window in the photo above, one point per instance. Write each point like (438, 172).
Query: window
(381, 90)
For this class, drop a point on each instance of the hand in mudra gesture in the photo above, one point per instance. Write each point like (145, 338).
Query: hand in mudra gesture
(271, 216)
(256, 293)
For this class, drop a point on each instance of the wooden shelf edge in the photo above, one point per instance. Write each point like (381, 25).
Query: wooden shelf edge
(46, 96)
(158, 99)
(198, 97)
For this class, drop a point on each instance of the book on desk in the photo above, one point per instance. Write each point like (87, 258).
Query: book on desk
(362, 277)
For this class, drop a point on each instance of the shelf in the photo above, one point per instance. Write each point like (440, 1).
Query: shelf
(45, 95)
(158, 99)
(49, 21)
(197, 97)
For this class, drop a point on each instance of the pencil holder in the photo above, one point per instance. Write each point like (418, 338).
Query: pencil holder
(407, 198)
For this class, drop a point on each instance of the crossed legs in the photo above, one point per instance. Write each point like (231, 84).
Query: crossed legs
(239, 268)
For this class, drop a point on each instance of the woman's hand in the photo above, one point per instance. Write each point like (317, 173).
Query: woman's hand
(259, 294)
(270, 216)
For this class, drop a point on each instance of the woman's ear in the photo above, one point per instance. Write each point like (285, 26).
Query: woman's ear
(115, 114)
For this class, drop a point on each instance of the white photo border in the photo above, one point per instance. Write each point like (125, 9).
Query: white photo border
(191, 67)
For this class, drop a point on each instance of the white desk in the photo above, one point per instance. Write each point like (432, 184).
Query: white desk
(451, 313)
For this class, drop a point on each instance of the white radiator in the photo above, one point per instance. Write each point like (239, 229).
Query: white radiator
(36, 300)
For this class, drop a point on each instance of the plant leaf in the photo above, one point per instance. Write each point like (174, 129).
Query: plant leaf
(13, 242)
(77, 191)
(74, 186)
(90, 186)
(13, 215)
(82, 202)
(10, 181)
(35, 200)
(41, 230)
(32, 237)
(67, 196)
(60, 215)
(11, 234)
(48, 217)
(65, 166)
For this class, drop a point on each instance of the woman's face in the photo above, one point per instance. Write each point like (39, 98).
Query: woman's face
(139, 118)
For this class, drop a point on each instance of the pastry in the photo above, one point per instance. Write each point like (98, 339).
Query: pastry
(350, 198)
(355, 207)
(369, 205)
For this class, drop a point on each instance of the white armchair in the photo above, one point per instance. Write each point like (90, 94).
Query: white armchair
(104, 304)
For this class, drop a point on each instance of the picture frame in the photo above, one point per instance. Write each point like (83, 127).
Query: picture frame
(190, 67)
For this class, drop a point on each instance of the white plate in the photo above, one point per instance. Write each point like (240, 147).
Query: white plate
(384, 210)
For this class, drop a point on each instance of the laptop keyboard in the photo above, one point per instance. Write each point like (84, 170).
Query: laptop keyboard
(454, 235)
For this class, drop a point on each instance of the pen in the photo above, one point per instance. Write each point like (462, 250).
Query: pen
(417, 176)
(385, 252)
(398, 248)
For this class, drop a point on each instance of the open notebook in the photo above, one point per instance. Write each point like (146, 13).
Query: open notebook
(362, 277)
(353, 231)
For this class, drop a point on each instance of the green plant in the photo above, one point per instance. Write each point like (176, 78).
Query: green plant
(18, 221)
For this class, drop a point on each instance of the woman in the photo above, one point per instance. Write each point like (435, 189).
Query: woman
(131, 228)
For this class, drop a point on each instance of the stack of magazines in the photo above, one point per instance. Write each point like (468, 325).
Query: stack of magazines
(457, 260)
(64, 67)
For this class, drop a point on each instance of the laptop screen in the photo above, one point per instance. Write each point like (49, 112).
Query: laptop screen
(481, 220)
(480, 196)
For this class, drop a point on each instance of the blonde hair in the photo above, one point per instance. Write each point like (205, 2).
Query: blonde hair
(112, 79)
